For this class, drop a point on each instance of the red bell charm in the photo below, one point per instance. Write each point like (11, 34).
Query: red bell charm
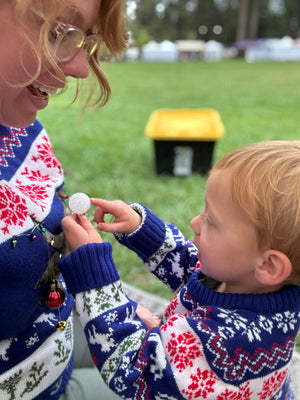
(54, 296)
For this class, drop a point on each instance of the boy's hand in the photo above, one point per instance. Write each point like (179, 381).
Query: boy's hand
(126, 219)
(79, 231)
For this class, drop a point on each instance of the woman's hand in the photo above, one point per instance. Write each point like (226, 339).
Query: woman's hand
(149, 319)
(126, 220)
(79, 231)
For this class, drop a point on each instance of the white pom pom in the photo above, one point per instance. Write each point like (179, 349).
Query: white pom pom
(79, 203)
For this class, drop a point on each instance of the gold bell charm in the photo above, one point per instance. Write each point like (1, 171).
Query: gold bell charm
(61, 325)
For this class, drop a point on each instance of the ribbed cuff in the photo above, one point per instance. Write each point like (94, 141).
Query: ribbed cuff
(148, 238)
(89, 267)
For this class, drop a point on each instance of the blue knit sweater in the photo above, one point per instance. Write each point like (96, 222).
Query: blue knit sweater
(211, 345)
(35, 358)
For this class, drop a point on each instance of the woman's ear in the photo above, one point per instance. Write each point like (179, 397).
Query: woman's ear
(274, 268)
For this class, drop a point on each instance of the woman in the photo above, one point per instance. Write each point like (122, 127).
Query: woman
(42, 43)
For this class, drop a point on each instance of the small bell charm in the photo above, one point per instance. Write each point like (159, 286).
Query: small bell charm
(61, 325)
(54, 296)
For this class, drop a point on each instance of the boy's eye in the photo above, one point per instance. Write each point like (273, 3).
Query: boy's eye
(206, 218)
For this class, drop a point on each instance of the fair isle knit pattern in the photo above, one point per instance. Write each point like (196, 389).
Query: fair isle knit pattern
(35, 358)
(211, 345)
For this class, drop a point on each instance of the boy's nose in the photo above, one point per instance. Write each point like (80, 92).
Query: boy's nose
(196, 224)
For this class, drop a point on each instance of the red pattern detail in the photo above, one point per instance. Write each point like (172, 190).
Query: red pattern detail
(95, 359)
(202, 314)
(36, 176)
(13, 209)
(198, 266)
(37, 193)
(143, 389)
(170, 322)
(202, 383)
(272, 384)
(183, 349)
(245, 360)
(45, 153)
(171, 307)
(7, 141)
(244, 393)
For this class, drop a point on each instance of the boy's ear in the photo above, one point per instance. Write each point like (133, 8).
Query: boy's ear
(274, 268)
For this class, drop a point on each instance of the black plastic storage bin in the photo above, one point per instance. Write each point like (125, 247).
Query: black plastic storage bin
(184, 139)
(180, 158)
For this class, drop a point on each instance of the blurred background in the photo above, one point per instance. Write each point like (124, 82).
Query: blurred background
(212, 28)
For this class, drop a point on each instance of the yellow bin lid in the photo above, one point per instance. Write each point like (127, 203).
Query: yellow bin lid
(185, 124)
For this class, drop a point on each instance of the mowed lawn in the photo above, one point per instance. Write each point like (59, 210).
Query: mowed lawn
(108, 155)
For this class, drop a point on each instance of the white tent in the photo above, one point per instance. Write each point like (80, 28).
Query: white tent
(213, 51)
(284, 49)
(164, 51)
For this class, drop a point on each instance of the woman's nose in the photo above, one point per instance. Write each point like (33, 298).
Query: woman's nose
(77, 67)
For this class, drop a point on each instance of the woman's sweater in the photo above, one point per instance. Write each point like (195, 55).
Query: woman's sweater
(35, 357)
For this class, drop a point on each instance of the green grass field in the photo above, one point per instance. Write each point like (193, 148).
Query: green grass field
(110, 157)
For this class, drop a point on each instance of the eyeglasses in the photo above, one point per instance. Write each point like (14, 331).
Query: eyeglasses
(67, 40)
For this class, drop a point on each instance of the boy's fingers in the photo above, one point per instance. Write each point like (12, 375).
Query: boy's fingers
(97, 201)
(109, 227)
(113, 207)
(104, 204)
(99, 214)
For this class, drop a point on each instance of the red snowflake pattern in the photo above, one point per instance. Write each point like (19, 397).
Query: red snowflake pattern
(36, 176)
(13, 209)
(272, 384)
(183, 350)
(37, 193)
(170, 322)
(244, 393)
(203, 383)
(171, 307)
(46, 154)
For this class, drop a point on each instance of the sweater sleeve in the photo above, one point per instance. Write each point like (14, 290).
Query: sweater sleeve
(131, 360)
(163, 249)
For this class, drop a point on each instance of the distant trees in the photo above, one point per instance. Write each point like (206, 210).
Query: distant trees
(223, 20)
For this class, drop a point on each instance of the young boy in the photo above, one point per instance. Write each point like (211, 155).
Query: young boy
(230, 331)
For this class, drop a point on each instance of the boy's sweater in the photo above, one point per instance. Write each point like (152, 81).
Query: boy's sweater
(211, 345)
(35, 358)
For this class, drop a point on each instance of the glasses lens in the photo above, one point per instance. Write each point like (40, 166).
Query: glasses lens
(67, 40)
(68, 44)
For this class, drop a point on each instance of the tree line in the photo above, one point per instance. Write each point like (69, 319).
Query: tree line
(227, 21)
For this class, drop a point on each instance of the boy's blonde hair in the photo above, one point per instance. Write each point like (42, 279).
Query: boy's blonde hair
(266, 185)
(110, 25)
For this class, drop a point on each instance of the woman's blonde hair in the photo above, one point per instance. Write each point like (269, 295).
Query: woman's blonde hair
(266, 185)
(110, 24)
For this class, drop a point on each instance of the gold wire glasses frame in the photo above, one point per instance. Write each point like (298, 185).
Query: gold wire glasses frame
(67, 40)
